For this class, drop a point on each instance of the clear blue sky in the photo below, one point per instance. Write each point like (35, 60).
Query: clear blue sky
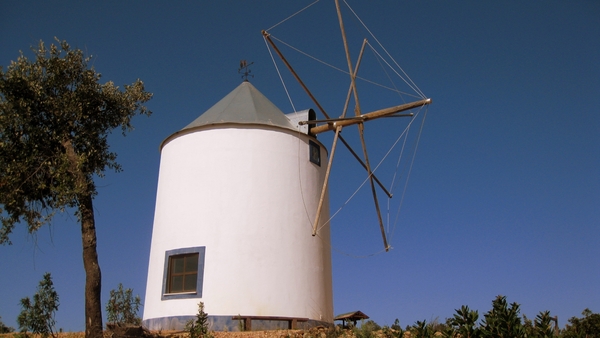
(504, 195)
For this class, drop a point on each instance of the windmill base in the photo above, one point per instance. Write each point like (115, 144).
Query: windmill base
(235, 323)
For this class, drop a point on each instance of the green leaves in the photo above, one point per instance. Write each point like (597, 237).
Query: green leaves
(465, 322)
(122, 307)
(38, 316)
(198, 328)
(55, 118)
(503, 321)
(588, 326)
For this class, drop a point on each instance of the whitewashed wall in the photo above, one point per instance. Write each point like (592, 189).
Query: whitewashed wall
(249, 195)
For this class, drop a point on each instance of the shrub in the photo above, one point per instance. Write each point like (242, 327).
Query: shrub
(38, 316)
(199, 328)
(464, 322)
(503, 321)
(422, 329)
(367, 329)
(122, 307)
(4, 328)
(588, 326)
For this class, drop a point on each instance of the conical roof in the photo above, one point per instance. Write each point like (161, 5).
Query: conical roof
(245, 105)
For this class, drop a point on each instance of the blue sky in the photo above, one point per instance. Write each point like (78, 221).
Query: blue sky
(503, 196)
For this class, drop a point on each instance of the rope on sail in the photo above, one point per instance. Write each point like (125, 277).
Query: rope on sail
(291, 16)
(310, 56)
(372, 172)
(393, 185)
(279, 73)
(416, 89)
(385, 71)
(345, 71)
(413, 86)
(391, 235)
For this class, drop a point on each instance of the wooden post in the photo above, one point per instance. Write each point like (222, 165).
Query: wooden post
(325, 182)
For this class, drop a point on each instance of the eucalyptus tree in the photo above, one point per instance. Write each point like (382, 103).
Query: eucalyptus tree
(55, 117)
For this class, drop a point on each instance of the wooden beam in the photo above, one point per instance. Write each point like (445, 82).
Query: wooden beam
(369, 116)
(325, 182)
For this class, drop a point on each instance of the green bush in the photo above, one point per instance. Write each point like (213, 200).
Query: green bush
(587, 327)
(4, 328)
(503, 321)
(422, 329)
(366, 330)
(464, 323)
(199, 328)
(122, 307)
(38, 316)
(395, 331)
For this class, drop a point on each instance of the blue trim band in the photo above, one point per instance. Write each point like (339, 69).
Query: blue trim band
(225, 323)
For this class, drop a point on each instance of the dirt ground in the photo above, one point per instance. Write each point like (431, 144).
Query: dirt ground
(314, 333)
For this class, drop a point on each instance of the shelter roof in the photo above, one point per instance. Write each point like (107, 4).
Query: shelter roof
(356, 315)
(245, 105)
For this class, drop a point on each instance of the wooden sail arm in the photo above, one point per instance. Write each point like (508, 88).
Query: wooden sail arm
(267, 37)
(357, 118)
(368, 116)
(326, 181)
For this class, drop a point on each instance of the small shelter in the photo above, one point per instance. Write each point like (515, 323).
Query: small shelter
(351, 317)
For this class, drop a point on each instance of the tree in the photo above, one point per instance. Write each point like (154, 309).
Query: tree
(122, 307)
(586, 327)
(38, 316)
(465, 322)
(503, 321)
(55, 118)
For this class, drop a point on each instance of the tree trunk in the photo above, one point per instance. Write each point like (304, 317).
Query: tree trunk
(93, 278)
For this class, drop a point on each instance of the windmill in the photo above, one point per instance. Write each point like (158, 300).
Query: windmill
(238, 189)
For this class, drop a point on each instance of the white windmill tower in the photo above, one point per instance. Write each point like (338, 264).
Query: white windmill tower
(237, 193)
(240, 190)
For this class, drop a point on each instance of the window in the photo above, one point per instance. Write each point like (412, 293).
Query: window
(314, 153)
(183, 276)
(183, 273)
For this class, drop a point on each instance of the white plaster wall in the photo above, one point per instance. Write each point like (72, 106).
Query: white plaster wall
(249, 196)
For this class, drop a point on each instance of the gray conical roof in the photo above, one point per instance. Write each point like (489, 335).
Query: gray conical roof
(245, 105)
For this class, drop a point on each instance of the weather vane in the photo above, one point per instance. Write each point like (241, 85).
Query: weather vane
(245, 69)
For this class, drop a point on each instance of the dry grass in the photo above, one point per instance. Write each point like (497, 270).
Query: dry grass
(183, 334)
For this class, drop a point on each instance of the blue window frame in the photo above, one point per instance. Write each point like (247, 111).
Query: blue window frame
(183, 273)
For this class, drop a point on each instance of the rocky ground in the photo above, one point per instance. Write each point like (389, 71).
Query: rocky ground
(313, 333)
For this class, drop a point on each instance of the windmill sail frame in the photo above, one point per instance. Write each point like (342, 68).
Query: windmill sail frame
(337, 124)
